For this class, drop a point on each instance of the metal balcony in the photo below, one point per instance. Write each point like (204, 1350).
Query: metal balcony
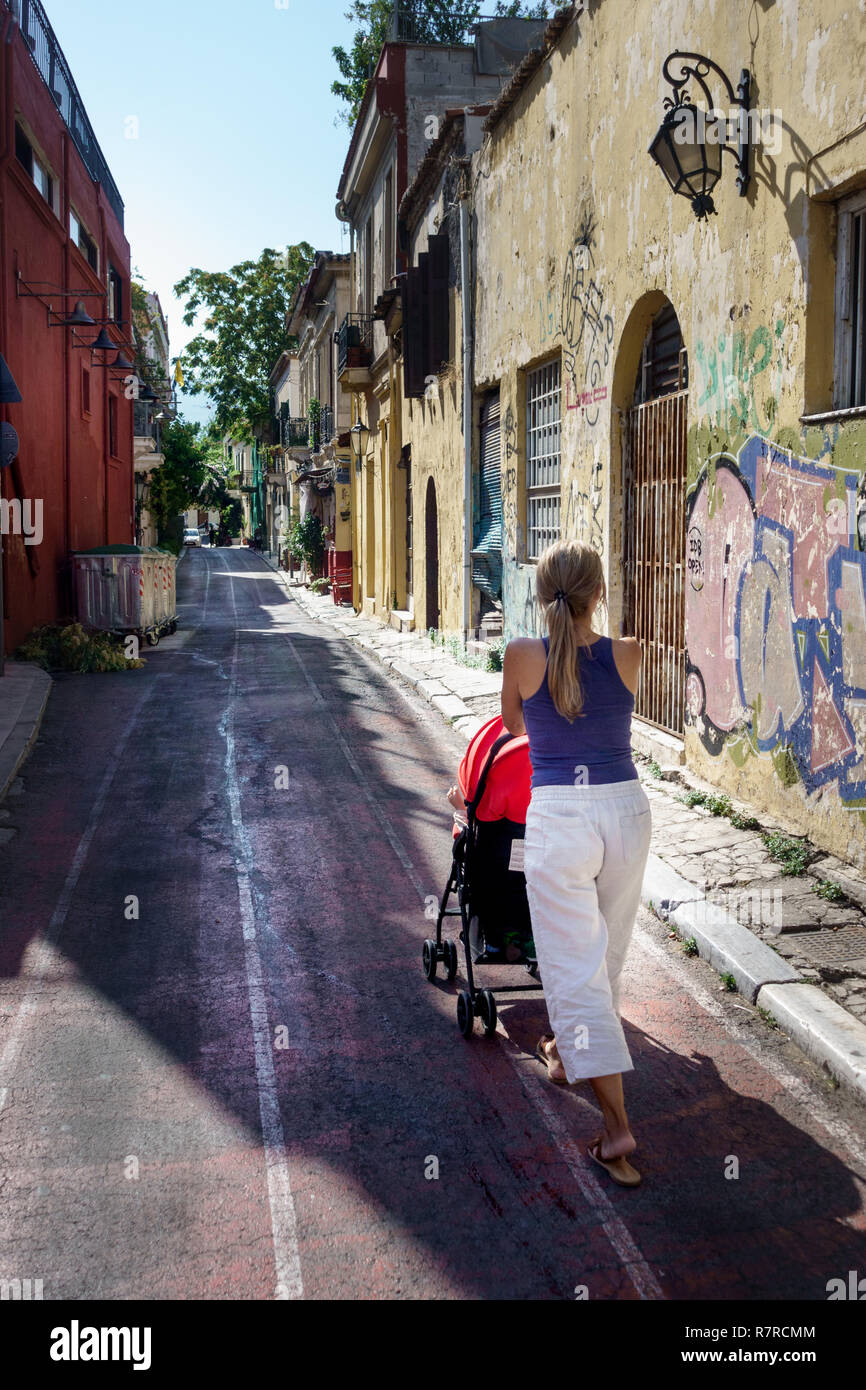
(295, 433)
(355, 342)
(144, 425)
(54, 70)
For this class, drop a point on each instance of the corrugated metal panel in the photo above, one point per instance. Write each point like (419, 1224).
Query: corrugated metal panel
(487, 551)
(489, 529)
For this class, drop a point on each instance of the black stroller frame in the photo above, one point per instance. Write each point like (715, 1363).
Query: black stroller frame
(472, 1002)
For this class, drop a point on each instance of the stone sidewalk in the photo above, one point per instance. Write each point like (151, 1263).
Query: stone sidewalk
(784, 943)
(24, 690)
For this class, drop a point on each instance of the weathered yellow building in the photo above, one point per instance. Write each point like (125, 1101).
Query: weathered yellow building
(408, 93)
(687, 393)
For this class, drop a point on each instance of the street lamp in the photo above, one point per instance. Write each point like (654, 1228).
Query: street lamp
(688, 144)
(359, 437)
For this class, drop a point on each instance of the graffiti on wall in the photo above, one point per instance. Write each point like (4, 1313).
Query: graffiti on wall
(509, 439)
(586, 329)
(776, 613)
(737, 369)
(583, 514)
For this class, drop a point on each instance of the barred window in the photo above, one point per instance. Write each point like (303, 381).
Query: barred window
(542, 458)
(851, 304)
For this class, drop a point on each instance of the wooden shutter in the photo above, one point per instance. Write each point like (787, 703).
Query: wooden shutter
(438, 350)
(413, 333)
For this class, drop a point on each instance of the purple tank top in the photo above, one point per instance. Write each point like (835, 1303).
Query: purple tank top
(596, 748)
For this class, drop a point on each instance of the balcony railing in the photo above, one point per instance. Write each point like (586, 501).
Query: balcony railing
(326, 424)
(295, 433)
(143, 422)
(355, 341)
(54, 70)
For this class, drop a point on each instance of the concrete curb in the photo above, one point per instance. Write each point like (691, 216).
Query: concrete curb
(729, 947)
(823, 1029)
(19, 742)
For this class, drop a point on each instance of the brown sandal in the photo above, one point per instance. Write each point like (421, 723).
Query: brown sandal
(619, 1168)
(550, 1061)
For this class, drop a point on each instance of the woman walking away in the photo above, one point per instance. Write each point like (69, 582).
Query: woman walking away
(587, 830)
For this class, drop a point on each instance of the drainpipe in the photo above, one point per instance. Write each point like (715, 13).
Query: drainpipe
(465, 297)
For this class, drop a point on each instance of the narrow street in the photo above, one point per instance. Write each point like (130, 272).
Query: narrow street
(223, 1074)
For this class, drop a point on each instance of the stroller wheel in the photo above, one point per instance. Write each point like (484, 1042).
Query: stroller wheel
(465, 1013)
(532, 968)
(487, 1010)
(450, 949)
(428, 958)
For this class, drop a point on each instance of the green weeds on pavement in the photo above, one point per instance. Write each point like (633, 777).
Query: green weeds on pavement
(831, 891)
(793, 855)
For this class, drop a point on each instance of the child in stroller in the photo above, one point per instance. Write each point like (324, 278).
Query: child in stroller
(490, 802)
(500, 930)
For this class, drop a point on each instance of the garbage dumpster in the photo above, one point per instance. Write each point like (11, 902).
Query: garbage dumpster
(126, 589)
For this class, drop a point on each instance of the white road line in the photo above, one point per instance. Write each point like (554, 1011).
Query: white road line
(45, 951)
(289, 1283)
(618, 1234)
(806, 1096)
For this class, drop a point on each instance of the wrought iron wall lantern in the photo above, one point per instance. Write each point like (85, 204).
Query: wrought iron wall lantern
(359, 436)
(45, 291)
(689, 142)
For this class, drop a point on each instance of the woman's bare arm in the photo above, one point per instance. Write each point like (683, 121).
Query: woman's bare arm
(512, 704)
(522, 674)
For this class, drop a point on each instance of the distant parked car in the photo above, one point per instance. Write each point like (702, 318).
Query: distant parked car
(191, 536)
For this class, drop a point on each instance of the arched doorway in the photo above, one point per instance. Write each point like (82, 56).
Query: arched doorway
(431, 556)
(654, 516)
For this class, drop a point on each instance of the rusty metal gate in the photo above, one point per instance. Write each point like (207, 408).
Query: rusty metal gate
(654, 546)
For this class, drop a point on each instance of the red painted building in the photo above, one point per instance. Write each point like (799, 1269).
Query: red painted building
(61, 243)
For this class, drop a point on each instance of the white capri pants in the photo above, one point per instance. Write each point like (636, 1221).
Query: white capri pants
(585, 853)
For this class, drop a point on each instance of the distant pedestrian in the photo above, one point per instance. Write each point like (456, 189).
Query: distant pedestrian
(212, 536)
(587, 830)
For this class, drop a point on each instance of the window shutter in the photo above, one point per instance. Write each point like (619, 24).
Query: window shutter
(438, 325)
(490, 476)
(413, 331)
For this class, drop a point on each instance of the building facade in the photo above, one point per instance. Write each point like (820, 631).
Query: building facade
(283, 383)
(321, 474)
(412, 87)
(64, 276)
(687, 394)
(150, 417)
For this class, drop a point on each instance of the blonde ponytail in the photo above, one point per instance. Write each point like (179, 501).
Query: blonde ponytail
(567, 578)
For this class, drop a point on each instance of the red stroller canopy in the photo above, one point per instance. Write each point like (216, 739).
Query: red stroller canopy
(506, 794)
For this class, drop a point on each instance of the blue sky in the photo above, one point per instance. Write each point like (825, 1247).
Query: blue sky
(237, 145)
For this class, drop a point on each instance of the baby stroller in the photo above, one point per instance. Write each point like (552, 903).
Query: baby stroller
(487, 874)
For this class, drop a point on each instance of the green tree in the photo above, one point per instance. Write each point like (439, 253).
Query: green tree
(232, 517)
(244, 332)
(416, 21)
(176, 485)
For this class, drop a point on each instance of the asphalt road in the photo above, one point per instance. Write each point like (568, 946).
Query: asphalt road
(224, 1076)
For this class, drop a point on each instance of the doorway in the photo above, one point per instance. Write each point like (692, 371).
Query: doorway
(654, 522)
